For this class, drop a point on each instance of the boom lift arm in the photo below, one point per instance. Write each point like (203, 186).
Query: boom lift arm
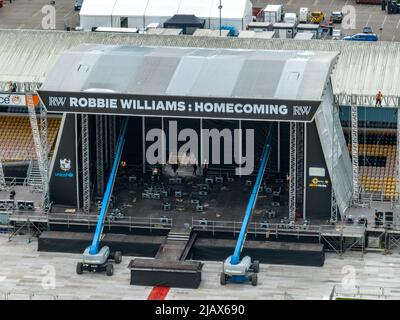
(95, 259)
(243, 270)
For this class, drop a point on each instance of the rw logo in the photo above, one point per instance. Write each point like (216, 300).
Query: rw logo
(57, 101)
(301, 110)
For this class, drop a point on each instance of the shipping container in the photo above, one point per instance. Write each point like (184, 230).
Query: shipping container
(273, 13)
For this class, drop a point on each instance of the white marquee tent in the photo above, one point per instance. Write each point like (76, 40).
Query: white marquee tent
(140, 13)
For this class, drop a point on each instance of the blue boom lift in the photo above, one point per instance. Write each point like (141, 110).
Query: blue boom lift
(94, 258)
(235, 269)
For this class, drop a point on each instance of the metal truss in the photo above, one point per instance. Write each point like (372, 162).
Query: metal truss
(99, 154)
(45, 156)
(85, 164)
(354, 151)
(2, 178)
(113, 141)
(365, 100)
(338, 244)
(335, 142)
(292, 172)
(300, 162)
(40, 146)
(106, 143)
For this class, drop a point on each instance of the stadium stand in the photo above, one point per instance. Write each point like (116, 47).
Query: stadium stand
(16, 142)
(377, 162)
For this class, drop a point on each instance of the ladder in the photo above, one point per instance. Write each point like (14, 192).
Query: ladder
(34, 178)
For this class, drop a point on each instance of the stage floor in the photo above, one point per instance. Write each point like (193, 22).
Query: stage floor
(225, 202)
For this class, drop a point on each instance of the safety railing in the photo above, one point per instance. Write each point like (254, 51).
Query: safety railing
(125, 222)
(364, 292)
(256, 228)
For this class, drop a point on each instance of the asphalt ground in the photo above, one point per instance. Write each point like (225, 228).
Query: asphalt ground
(365, 15)
(27, 14)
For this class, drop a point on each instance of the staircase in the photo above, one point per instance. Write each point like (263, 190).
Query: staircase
(180, 234)
(34, 179)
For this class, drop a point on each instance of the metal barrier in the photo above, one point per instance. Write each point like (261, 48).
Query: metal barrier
(363, 292)
(256, 228)
(126, 222)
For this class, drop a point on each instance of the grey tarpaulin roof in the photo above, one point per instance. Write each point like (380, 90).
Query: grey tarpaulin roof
(300, 75)
(363, 68)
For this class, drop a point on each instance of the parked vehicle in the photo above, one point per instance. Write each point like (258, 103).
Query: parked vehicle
(362, 37)
(317, 17)
(367, 30)
(290, 18)
(78, 5)
(336, 17)
(304, 15)
(336, 34)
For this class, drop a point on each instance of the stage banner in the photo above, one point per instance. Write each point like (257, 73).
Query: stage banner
(63, 179)
(178, 106)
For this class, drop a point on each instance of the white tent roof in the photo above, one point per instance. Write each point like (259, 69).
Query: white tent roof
(200, 9)
(232, 9)
(97, 7)
(129, 8)
(162, 8)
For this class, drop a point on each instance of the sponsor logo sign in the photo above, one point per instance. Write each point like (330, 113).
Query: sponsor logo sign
(12, 100)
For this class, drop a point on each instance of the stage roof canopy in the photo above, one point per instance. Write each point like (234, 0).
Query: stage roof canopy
(227, 73)
(363, 68)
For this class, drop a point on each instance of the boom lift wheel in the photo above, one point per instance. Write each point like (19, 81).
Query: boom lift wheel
(118, 257)
(109, 269)
(223, 279)
(256, 266)
(254, 279)
(79, 268)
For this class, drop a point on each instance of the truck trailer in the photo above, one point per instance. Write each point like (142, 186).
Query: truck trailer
(273, 13)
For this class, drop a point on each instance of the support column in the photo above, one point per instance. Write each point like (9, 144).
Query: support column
(2, 178)
(354, 150)
(100, 155)
(292, 172)
(85, 164)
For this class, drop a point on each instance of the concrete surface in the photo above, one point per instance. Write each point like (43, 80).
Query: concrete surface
(23, 270)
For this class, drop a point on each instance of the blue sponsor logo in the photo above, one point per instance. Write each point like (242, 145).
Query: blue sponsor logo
(64, 174)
